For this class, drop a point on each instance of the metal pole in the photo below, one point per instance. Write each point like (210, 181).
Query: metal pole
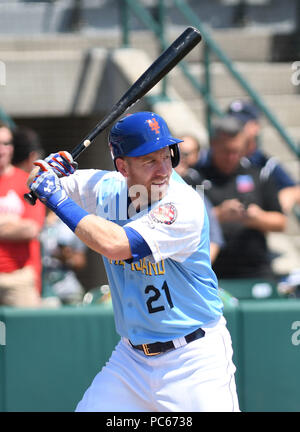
(161, 14)
(124, 20)
(207, 80)
(76, 16)
(240, 14)
(297, 29)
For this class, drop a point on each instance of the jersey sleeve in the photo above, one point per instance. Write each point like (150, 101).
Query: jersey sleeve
(173, 229)
(82, 187)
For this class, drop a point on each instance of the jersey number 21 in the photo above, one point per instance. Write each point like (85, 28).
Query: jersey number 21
(155, 297)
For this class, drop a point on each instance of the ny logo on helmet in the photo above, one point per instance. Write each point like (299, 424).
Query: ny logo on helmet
(153, 124)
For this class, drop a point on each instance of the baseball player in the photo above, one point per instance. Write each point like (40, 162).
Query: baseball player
(151, 228)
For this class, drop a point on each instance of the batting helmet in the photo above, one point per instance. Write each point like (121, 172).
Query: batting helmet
(142, 133)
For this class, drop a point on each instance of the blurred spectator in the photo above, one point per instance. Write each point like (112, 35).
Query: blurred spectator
(27, 149)
(189, 154)
(62, 252)
(63, 255)
(20, 224)
(289, 286)
(249, 115)
(246, 206)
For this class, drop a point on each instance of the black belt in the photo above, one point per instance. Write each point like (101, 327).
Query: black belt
(160, 347)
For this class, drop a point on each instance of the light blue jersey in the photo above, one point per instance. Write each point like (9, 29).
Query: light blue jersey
(171, 292)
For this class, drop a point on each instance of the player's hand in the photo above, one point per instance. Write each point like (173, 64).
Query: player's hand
(47, 187)
(62, 163)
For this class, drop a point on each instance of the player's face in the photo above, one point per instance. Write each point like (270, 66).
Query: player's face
(148, 175)
(6, 148)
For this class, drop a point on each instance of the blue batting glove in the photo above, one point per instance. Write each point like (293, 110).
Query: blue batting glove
(62, 163)
(47, 187)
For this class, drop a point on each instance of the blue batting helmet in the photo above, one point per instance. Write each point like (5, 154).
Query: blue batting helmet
(142, 133)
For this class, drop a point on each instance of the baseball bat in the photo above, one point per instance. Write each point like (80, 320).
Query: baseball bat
(188, 39)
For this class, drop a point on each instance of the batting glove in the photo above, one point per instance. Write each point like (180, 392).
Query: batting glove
(62, 163)
(47, 187)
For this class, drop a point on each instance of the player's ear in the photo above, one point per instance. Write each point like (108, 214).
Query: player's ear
(122, 166)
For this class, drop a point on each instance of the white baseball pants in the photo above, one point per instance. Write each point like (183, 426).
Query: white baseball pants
(196, 377)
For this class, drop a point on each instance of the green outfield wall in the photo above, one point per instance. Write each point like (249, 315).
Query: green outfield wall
(48, 357)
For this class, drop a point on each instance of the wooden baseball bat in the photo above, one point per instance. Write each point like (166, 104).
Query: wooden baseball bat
(188, 39)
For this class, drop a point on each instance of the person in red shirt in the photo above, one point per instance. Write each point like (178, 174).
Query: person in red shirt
(20, 224)
(27, 149)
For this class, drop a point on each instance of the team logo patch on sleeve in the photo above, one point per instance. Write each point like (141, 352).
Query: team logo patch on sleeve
(165, 214)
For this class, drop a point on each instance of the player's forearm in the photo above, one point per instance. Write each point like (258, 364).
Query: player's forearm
(104, 237)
